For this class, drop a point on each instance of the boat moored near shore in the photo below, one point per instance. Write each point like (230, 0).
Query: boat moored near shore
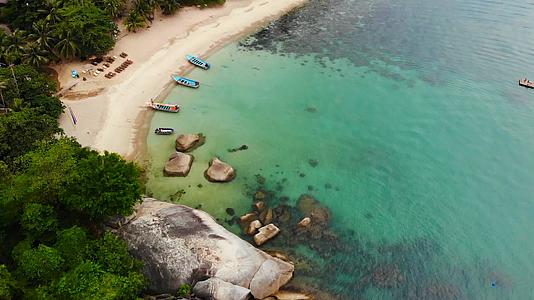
(164, 131)
(164, 107)
(526, 83)
(185, 81)
(198, 62)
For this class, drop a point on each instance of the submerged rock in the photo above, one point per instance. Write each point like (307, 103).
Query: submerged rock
(313, 162)
(240, 148)
(217, 289)
(313, 209)
(178, 245)
(304, 222)
(387, 276)
(179, 164)
(189, 142)
(259, 206)
(219, 171)
(266, 216)
(266, 233)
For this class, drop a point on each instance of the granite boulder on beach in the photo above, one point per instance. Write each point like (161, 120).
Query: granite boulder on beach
(219, 171)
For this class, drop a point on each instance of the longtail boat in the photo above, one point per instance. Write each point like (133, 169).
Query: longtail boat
(198, 62)
(526, 83)
(164, 107)
(186, 81)
(164, 131)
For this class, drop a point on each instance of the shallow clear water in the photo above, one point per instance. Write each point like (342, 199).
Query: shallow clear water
(422, 138)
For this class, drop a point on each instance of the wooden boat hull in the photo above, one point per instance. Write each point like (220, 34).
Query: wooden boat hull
(174, 108)
(186, 81)
(164, 131)
(527, 84)
(198, 62)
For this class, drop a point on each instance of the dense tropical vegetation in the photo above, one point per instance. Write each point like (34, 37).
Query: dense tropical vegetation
(52, 30)
(54, 197)
(54, 194)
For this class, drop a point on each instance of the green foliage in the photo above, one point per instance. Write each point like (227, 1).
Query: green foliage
(202, 2)
(134, 21)
(103, 186)
(41, 265)
(168, 7)
(7, 283)
(87, 27)
(33, 87)
(38, 219)
(90, 281)
(74, 245)
(184, 290)
(113, 8)
(112, 253)
(21, 131)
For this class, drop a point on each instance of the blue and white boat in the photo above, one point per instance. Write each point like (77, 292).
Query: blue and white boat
(198, 62)
(186, 81)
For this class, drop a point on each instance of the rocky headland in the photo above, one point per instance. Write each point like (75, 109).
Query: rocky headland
(180, 245)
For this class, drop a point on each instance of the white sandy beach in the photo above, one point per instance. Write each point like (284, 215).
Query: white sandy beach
(110, 112)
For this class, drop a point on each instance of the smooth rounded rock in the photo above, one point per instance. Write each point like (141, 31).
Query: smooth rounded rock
(219, 171)
(189, 142)
(179, 164)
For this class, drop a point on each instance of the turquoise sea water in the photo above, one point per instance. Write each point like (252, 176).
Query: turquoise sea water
(424, 143)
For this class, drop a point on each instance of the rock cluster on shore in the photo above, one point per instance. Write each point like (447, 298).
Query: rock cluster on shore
(181, 245)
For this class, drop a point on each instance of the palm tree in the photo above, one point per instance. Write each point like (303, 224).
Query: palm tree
(134, 21)
(52, 11)
(34, 55)
(113, 7)
(19, 104)
(145, 8)
(16, 45)
(3, 86)
(168, 7)
(42, 35)
(66, 47)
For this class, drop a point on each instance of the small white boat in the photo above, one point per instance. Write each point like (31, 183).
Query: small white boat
(198, 62)
(164, 131)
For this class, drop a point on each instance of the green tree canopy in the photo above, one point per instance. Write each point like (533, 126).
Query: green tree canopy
(7, 283)
(38, 219)
(89, 27)
(21, 131)
(42, 264)
(89, 280)
(74, 246)
(104, 185)
(33, 87)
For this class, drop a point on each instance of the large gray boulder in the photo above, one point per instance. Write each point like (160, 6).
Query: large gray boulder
(217, 289)
(189, 142)
(219, 171)
(179, 164)
(180, 245)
